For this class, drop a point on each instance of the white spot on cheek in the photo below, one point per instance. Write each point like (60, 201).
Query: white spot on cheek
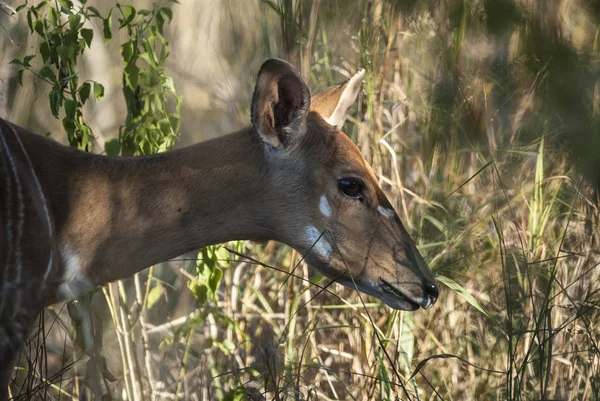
(324, 206)
(386, 212)
(74, 282)
(318, 242)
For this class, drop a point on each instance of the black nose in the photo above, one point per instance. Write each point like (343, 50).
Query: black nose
(431, 290)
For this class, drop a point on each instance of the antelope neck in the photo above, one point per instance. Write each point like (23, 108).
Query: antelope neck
(122, 214)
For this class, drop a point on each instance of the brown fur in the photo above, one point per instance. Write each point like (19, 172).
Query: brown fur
(324, 102)
(118, 215)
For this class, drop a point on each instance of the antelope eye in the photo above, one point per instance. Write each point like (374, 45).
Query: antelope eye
(351, 187)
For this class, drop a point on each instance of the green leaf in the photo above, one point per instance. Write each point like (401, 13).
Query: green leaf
(127, 49)
(87, 35)
(84, 92)
(30, 16)
(132, 75)
(56, 98)
(169, 85)
(45, 51)
(200, 291)
(70, 108)
(66, 3)
(107, 27)
(165, 48)
(46, 72)
(68, 52)
(27, 59)
(38, 26)
(464, 294)
(149, 58)
(98, 91)
(175, 122)
(113, 148)
(63, 52)
(128, 14)
(406, 340)
(164, 126)
(222, 255)
(215, 279)
(168, 12)
(145, 105)
(86, 133)
(69, 127)
(53, 17)
(74, 21)
(160, 21)
(20, 77)
(94, 11)
(153, 295)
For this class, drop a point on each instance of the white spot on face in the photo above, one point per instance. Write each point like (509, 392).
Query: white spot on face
(324, 206)
(386, 212)
(74, 280)
(318, 242)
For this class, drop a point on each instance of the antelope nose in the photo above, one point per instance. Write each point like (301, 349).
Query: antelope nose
(432, 292)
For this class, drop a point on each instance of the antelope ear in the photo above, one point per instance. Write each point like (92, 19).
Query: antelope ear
(333, 103)
(280, 103)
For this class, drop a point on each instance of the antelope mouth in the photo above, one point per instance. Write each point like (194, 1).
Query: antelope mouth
(397, 295)
(384, 291)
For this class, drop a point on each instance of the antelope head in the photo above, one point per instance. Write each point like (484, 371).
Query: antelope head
(325, 199)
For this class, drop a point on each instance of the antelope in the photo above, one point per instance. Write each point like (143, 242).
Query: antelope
(70, 220)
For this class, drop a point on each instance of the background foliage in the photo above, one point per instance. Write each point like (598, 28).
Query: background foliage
(481, 119)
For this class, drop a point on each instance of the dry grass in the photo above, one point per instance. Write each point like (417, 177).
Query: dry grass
(467, 112)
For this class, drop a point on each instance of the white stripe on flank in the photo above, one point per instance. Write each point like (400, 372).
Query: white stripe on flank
(44, 205)
(386, 212)
(17, 279)
(318, 242)
(324, 206)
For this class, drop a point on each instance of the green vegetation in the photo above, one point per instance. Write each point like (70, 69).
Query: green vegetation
(482, 119)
